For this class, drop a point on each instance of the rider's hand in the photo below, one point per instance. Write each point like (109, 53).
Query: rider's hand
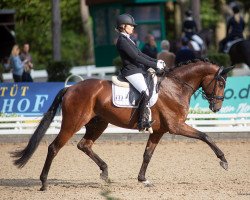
(160, 65)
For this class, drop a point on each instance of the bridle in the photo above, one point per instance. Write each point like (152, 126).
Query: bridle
(210, 97)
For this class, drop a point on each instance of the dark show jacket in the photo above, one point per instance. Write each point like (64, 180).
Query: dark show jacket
(133, 60)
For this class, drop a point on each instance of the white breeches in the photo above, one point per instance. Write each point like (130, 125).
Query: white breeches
(138, 81)
(197, 39)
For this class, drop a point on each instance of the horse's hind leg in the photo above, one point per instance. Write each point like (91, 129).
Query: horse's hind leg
(153, 140)
(188, 131)
(94, 129)
(53, 149)
(68, 128)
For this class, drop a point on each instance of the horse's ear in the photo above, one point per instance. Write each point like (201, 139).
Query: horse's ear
(227, 69)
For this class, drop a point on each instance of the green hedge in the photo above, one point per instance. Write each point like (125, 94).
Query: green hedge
(220, 58)
(58, 70)
(117, 62)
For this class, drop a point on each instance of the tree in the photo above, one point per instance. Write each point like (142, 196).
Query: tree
(56, 30)
(87, 28)
(196, 13)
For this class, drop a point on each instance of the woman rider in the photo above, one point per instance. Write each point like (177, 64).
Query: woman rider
(235, 28)
(135, 64)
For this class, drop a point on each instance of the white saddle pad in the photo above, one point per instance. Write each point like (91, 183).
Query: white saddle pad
(120, 97)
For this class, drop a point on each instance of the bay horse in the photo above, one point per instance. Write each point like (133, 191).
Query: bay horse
(89, 103)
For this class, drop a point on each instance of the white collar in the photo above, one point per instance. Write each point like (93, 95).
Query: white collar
(128, 36)
(189, 18)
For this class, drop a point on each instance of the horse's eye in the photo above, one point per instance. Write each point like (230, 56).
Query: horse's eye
(221, 84)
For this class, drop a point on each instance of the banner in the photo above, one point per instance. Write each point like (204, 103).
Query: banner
(30, 99)
(34, 99)
(237, 97)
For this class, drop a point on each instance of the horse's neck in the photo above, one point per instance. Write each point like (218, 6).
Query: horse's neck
(192, 74)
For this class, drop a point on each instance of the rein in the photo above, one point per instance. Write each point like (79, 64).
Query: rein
(209, 97)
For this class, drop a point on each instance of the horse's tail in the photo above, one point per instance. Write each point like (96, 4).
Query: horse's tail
(24, 155)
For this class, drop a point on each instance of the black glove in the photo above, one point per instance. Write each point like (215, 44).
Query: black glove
(159, 72)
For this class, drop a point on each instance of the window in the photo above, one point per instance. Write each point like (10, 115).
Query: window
(148, 17)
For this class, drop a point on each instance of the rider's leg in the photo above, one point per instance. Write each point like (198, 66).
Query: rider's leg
(198, 39)
(138, 81)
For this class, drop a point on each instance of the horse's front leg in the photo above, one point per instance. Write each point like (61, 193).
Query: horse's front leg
(153, 140)
(93, 131)
(188, 131)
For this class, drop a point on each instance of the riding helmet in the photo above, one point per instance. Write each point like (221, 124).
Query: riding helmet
(236, 9)
(125, 19)
(188, 13)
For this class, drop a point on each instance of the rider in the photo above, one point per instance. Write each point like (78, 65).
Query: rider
(190, 29)
(135, 64)
(235, 28)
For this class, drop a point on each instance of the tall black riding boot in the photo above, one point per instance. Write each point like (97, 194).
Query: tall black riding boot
(143, 120)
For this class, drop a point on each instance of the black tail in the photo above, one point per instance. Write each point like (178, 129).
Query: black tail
(24, 155)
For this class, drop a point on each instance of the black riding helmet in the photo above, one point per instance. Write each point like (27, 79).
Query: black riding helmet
(236, 9)
(125, 19)
(188, 13)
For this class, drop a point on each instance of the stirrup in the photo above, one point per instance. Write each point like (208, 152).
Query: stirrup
(145, 125)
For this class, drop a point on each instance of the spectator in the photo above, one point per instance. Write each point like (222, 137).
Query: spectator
(6, 64)
(190, 30)
(185, 53)
(166, 55)
(235, 28)
(25, 55)
(16, 64)
(150, 46)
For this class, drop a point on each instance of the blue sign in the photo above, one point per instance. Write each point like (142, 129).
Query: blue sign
(35, 98)
(237, 97)
(27, 98)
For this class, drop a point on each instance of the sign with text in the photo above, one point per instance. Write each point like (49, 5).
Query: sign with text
(27, 98)
(35, 98)
(237, 97)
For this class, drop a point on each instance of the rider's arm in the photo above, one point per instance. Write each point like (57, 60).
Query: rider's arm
(147, 57)
(195, 27)
(135, 54)
(229, 25)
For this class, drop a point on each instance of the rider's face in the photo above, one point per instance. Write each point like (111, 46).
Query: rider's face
(129, 29)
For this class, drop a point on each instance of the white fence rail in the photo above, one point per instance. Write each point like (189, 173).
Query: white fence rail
(203, 122)
(89, 70)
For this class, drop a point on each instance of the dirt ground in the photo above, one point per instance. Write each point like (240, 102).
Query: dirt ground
(178, 170)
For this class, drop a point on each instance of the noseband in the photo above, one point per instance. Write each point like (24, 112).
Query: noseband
(212, 97)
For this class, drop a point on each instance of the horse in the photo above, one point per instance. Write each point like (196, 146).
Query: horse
(89, 103)
(240, 52)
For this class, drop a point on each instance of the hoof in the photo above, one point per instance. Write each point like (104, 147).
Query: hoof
(224, 165)
(105, 178)
(147, 183)
(43, 188)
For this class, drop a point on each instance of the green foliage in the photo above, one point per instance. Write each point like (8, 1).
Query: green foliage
(220, 58)
(58, 70)
(209, 14)
(73, 47)
(33, 20)
(117, 62)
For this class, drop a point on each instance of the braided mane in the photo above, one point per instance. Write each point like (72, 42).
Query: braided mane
(206, 60)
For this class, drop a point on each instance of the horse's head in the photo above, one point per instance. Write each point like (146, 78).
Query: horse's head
(214, 86)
